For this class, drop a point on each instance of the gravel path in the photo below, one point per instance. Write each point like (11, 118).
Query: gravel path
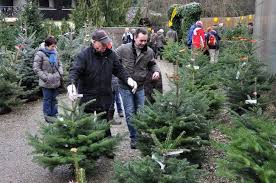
(15, 153)
(16, 160)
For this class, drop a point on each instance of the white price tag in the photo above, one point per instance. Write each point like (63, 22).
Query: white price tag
(162, 166)
(250, 101)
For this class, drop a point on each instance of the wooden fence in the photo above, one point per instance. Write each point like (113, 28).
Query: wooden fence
(227, 21)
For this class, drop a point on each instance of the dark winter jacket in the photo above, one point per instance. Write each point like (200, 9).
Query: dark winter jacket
(115, 84)
(171, 36)
(49, 73)
(127, 38)
(92, 73)
(218, 38)
(151, 85)
(160, 40)
(137, 66)
(190, 35)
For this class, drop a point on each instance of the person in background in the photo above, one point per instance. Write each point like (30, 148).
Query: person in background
(137, 58)
(213, 42)
(153, 41)
(117, 101)
(49, 70)
(160, 41)
(127, 36)
(250, 28)
(171, 35)
(91, 75)
(198, 38)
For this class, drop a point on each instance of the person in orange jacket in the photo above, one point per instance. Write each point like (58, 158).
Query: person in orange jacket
(198, 39)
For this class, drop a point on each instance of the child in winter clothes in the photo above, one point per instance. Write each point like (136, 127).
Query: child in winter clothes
(213, 41)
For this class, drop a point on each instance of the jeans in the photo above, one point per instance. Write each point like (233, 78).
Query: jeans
(117, 100)
(50, 101)
(132, 103)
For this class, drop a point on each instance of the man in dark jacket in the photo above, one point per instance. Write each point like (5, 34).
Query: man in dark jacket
(92, 73)
(171, 35)
(138, 59)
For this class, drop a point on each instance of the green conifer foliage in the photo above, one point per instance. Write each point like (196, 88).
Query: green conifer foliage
(147, 170)
(250, 155)
(70, 45)
(32, 20)
(77, 129)
(7, 34)
(185, 16)
(26, 53)
(10, 88)
(184, 112)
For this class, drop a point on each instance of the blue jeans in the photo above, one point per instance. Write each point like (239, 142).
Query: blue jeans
(117, 100)
(50, 101)
(132, 103)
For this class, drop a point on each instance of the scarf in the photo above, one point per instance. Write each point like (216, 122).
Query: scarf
(51, 54)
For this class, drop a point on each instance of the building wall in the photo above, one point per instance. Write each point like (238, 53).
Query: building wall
(265, 31)
(19, 2)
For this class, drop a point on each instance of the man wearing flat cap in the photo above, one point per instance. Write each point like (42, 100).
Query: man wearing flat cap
(91, 75)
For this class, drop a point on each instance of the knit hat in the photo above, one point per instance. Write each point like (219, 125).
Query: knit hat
(161, 30)
(199, 23)
(101, 36)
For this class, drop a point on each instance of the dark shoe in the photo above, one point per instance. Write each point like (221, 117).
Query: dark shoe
(110, 155)
(49, 119)
(114, 122)
(121, 114)
(133, 144)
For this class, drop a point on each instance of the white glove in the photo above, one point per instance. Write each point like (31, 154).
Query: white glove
(132, 84)
(72, 92)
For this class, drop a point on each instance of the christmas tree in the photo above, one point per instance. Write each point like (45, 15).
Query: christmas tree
(10, 88)
(161, 167)
(244, 77)
(185, 111)
(29, 79)
(250, 155)
(76, 129)
(32, 21)
(70, 45)
(148, 170)
(7, 34)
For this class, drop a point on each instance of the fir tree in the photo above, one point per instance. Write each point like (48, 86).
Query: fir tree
(7, 34)
(148, 170)
(185, 112)
(77, 129)
(114, 11)
(250, 155)
(32, 20)
(70, 45)
(10, 88)
(79, 14)
(161, 167)
(137, 17)
(29, 79)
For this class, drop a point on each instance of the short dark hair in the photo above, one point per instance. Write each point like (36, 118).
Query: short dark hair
(50, 41)
(140, 30)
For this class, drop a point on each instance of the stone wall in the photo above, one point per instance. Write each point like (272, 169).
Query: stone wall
(116, 34)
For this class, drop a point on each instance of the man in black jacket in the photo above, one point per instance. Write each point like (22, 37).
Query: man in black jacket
(92, 73)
